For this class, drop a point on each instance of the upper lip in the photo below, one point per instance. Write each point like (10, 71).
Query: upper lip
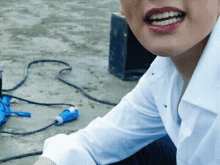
(161, 10)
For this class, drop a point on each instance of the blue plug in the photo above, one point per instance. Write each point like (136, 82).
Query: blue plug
(23, 114)
(67, 115)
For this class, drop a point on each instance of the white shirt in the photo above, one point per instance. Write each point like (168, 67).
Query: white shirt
(149, 112)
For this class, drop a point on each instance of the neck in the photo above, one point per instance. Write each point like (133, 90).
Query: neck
(186, 63)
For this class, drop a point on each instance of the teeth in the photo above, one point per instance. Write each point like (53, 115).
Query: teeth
(160, 16)
(165, 15)
(176, 13)
(170, 21)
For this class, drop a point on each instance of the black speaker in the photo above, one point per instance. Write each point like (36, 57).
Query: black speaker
(128, 59)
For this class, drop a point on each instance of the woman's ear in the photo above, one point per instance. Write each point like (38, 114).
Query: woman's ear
(218, 8)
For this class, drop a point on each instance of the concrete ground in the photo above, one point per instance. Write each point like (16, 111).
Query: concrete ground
(76, 32)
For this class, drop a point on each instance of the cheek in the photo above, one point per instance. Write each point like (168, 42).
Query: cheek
(203, 16)
(131, 8)
(135, 21)
(199, 27)
(126, 5)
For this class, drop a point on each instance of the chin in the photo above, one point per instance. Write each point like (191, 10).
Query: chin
(164, 52)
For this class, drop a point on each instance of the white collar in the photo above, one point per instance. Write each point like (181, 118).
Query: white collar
(204, 87)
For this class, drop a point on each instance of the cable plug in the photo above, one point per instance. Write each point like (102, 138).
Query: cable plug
(67, 115)
(23, 114)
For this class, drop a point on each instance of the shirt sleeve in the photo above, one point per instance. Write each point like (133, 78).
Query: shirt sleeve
(128, 127)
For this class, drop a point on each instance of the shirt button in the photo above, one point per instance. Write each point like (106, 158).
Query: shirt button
(165, 105)
(152, 73)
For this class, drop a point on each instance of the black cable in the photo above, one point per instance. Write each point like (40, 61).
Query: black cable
(28, 133)
(86, 94)
(44, 104)
(1, 84)
(21, 156)
(59, 78)
(26, 72)
(37, 103)
(47, 104)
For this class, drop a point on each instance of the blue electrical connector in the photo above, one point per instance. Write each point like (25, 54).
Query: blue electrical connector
(5, 110)
(67, 115)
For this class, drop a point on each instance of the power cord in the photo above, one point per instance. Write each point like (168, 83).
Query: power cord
(48, 104)
(59, 78)
(28, 133)
(44, 104)
(21, 156)
(31, 102)
(37, 103)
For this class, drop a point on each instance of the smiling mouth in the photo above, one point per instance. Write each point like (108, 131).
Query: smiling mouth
(164, 15)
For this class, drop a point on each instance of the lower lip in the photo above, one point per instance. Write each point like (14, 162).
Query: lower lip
(165, 28)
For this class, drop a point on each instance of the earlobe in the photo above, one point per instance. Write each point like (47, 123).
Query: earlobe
(121, 10)
(218, 8)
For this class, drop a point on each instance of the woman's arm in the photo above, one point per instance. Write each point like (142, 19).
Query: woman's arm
(131, 125)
